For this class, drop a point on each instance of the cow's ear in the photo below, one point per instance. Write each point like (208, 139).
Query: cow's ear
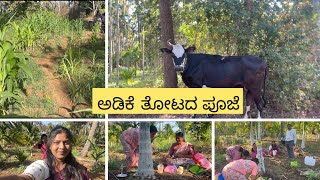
(166, 50)
(190, 49)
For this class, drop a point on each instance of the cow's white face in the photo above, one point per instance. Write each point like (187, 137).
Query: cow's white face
(178, 50)
(178, 57)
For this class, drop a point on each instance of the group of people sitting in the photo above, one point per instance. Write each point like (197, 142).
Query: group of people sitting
(273, 150)
(180, 152)
(239, 165)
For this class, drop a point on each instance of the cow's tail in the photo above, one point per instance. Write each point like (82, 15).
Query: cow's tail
(264, 87)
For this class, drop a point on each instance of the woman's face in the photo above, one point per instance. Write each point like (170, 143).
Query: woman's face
(44, 139)
(179, 139)
(61, 146)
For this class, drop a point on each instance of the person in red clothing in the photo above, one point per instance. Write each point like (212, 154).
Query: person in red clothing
(42, 145)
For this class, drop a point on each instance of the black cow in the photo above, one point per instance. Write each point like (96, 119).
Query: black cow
(215, 71)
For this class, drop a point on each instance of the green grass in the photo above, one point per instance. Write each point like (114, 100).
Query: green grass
(115, 163)
(149, 80)
(43, 104)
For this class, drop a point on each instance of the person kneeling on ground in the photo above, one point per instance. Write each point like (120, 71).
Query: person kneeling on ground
(254, 151)
(241, 169)
(235, 153)
(59, 163)
(181, 152)
(274, 149)
(130, 143)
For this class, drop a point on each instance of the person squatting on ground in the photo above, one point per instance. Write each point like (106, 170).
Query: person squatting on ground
(59, 164)
(274, 149)
(130, 143)
(235, 153)
(241, 169)
(291, 140)
(181, 152)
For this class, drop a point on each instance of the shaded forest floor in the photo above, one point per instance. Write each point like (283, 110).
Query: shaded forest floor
(12, 166)
(117, 158)
(277, 168)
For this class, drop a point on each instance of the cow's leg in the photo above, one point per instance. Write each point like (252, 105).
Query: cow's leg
(259, 103)
(249, 102)
(207, 115)
(247, 111)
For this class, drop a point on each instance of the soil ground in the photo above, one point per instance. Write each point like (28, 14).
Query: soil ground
(278, 168)
(158, 157)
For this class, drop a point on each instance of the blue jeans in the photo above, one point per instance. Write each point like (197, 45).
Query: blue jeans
(289, 145)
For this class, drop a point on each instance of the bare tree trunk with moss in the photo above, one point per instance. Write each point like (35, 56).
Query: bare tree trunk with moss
(86, 147)
(145, 164)
(170, 76)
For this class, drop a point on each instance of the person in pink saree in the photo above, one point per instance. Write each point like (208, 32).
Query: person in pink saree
(181, 152)
(241, 169)
(130, 143)
(235, 153)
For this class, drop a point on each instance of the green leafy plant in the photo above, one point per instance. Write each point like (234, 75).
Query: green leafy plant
(20, 155)
(11, 62)
(96, 152)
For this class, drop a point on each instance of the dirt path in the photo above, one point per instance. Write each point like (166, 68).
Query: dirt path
(56, 86)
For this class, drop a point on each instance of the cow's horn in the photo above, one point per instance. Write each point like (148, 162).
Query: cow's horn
(169, 42)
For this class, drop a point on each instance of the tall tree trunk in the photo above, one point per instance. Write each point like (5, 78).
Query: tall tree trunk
(145, 164)
(251, 133)
(259, 149)
(170, 76)
(184, 130)
(118, 45)
(110, 41)
(86, 147)
(303, 142)
(281, 129)
(143, 60)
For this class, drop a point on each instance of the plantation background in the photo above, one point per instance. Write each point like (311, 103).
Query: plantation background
(197, 133)
(283, 33)
(51, 56)
(17, 139)
(238, 133)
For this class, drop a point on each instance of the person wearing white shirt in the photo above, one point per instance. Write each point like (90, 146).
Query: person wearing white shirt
(291, 140)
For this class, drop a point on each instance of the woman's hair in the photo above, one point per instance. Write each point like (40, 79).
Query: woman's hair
(72, 168)
(256, 160)
(179, 134)
(43, 135)
(153, 129)
(240, 149)
(246, 153)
